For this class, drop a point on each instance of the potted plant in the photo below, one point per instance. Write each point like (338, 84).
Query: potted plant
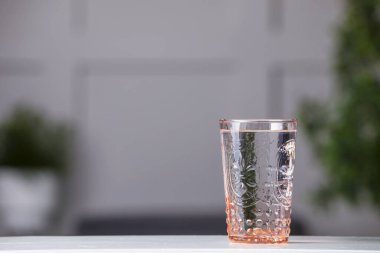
(345, 133)
(33, 160)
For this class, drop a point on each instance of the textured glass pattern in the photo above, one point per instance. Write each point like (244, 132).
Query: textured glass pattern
(258, 172)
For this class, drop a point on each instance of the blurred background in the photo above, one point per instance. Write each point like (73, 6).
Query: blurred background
(109, 111)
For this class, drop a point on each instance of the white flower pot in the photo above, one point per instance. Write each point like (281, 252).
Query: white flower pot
(27, 201)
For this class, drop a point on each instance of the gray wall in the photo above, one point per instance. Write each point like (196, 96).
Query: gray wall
(146, 81)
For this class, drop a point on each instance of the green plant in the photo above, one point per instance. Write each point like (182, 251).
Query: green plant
(30, 142)
(249, 160)
(346, 133)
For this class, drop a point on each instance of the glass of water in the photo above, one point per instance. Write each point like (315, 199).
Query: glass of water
(258, 163)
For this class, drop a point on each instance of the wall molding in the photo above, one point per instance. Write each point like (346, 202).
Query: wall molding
(279, 71)
(140, 67)
(20, 67)
(78, 16)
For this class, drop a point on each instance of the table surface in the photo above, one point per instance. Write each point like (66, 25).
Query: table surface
(182, 244)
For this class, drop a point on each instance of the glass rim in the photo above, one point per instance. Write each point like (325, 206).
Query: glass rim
(293, 120)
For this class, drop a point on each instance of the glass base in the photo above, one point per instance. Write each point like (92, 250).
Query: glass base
(259, 240)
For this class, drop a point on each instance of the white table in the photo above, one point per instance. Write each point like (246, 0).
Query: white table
(182, 244)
